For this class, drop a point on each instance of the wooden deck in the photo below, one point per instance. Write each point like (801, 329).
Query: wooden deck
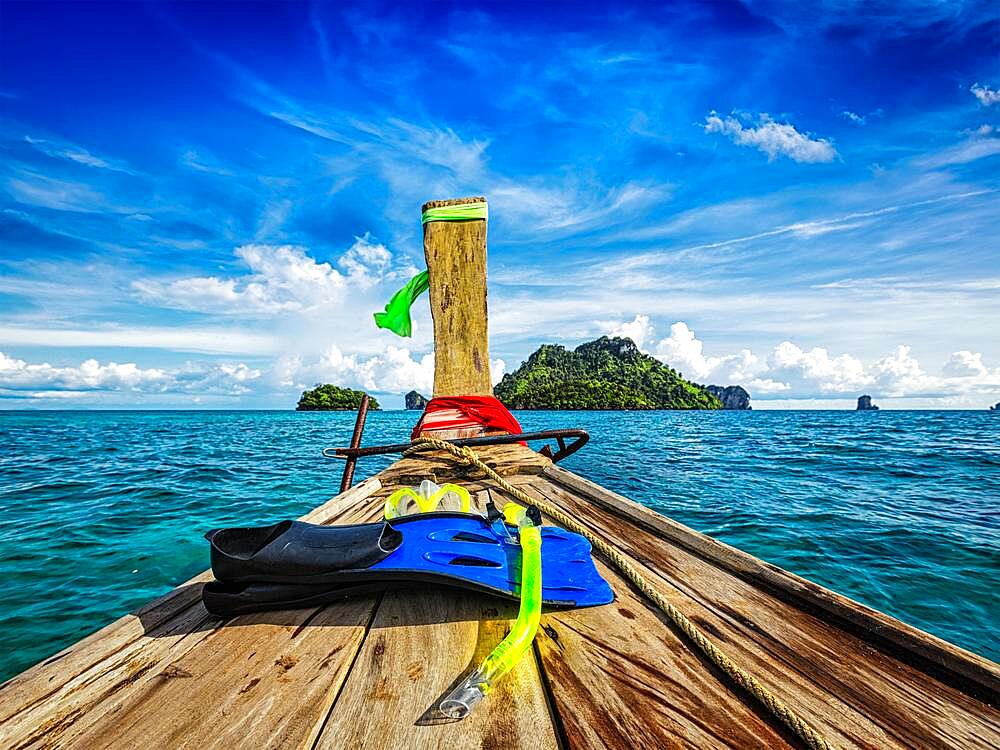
(369, 672)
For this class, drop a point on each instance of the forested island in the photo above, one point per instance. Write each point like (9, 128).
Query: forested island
(609, 373)
(329, 397)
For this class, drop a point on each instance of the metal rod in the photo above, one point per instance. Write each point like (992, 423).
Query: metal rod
(581, 438)
(359, 428)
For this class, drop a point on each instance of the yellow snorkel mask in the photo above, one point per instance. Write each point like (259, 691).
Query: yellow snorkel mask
(428, 498)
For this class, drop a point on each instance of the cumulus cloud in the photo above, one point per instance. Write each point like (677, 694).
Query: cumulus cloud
(282, 278)
(393, 370)
(965, 364)
(683, 351)
(815, 368)
(773, 138)
(985, 94)
(794, 372)
(20, 378)
(640, 330)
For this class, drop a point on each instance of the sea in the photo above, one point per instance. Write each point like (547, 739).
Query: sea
(103, 511)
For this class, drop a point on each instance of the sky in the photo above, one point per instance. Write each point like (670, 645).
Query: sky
(201, 205)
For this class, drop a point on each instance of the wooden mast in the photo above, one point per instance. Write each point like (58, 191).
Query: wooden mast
(456, 264)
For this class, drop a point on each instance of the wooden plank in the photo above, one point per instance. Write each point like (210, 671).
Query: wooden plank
(421, 644)
(103, 652)
(852, 693)
(620, 677)
(456, 263)
(963, 669)
(261, 680)
(51, 721)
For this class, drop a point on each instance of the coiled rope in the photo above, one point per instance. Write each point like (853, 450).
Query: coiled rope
(741, 677)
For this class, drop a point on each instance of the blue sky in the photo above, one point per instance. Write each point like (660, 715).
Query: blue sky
(201, 205)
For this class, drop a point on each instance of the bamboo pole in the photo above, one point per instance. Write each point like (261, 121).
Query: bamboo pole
(456, 265)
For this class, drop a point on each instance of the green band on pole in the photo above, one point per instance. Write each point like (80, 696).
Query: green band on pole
(458, 212)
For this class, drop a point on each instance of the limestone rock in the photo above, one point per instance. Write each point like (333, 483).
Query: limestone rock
(732, 396)
(415, 401)
(865, 404)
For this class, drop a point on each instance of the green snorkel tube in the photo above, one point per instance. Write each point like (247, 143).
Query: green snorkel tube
(509, 651)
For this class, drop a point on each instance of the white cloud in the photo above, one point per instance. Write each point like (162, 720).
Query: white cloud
(569, 207)
(282, 278)
(773, 138)
(212, 340)
(793, 372)
(815, 368)
(193, 160)
(78, 154)
(985, 94)
(35, 189)
(900, 374)
(853, 117)
(683, 351)
(393, 370)
(18, 376)
(640, 330)
(965, 364)
(980, 144)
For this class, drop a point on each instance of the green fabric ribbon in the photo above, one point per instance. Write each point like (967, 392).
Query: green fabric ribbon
(397, 313)
(458, 212)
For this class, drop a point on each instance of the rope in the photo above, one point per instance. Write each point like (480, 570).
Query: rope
(741, 677)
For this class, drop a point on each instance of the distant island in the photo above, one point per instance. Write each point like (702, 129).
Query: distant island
(995, 408)
(329, 397)
(609, 373)
(865, 404)
(415, 400)
(733, 397)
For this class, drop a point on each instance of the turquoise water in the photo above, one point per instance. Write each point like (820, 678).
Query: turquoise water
(102, 511)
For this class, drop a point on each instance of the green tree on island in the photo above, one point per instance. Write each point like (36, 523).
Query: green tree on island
(609, 373)
(327, 397)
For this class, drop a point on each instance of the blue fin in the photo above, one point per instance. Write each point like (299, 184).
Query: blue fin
(453, 549)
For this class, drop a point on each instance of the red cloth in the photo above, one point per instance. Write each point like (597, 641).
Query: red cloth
(455, 412)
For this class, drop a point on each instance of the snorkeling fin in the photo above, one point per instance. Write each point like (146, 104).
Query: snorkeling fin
(231, 599)
(293, 563)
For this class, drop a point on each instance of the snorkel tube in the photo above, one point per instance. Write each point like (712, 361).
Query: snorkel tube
(509, 651)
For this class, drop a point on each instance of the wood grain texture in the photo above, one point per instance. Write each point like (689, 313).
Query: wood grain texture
(456, 263)
(968, 671)
(621, 677)
(262, 680)
(853, 693)
(421, 644)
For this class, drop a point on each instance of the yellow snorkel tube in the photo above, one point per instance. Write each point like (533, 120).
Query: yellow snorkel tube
(511, 649)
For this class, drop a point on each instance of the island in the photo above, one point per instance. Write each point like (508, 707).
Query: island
(734, 397)
(609, 373)
(865, 404)
(327, 397)
(415, 400)
(995, 408)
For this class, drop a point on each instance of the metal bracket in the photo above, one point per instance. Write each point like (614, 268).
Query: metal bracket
(354, 452)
